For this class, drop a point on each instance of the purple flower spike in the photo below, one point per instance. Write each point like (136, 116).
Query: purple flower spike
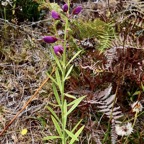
(55, 15)
(65, 7)
(58, 49)
(77, 10)
(50, 39)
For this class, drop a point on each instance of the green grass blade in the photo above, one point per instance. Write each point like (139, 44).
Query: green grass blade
(70, 96)
(58, 79)
(76, 102)
(77, 134)
(142, 86)
(57, 126)
(136, 93)
(51, 137)
(56, 60)
(73, 57)
(56, 94)
(68, 73)
(53, 113)
(52, 78)
(70, 134)
(65, 113)
(76, 125)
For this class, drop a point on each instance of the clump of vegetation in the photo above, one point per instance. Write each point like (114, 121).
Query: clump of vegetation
(75, 76)
(19, 11)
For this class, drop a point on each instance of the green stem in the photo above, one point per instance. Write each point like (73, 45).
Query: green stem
(135, 118)
(136, 115)
(63, 82)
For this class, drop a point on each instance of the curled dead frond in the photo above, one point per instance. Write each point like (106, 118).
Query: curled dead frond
(107, 104)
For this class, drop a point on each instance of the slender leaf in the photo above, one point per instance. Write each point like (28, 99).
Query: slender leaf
(56, 60)
(52, 104)
(70, 96)
(77, 134)
(142, 86)
(76, 125)
(56, 94)
(71, 103)
(76, 102)
(65, 113)
(57, 126)
(53, 113)
(58, 79)
(51, 137)
(136, 93)
(73, 57)
(52, 78)
(68, 73)
(70, 134)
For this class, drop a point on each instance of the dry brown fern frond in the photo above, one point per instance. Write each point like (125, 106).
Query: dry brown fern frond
(114, 136)
(132, 12)
(125, 58)
(121, 44)
(106, 104)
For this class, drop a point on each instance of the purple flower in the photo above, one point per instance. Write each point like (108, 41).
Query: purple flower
(50, 39)
(55, 15)
(58, 49)
(65, 7)
(77, 10)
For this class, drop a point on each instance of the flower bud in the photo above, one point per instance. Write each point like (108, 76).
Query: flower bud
(50, 39)
(65, 7)
(77, 10)
(55, 15)
(58, 49)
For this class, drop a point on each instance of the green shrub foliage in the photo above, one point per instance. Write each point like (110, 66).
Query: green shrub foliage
(24, 10)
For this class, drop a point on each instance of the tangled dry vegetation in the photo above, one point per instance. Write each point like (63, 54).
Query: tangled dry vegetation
(24, 61)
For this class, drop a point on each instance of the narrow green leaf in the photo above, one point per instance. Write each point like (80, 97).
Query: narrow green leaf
(70, 134)
(136, 93)
(76, 125)
(73, 57)
(58, 63)
(77, 134)
(58, 79)
(76, 102)
(56, 94)
(56, 60)
(73, 102)
(53, 113)
(54, 105)
(70, 96)
(51, 137)
(57, 126)
(52, 78)
(142, 86)
(65, 113)
(68, 73)
(128, 93)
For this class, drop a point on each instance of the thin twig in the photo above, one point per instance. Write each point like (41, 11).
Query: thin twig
(32, 97)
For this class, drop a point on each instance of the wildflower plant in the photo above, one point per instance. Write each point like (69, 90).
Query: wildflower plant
(136, 107)
(63, 69)
(124, 130)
